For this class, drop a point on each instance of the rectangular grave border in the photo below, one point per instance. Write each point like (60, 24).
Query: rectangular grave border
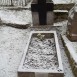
(58, 73)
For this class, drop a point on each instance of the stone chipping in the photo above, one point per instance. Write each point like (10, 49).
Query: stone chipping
(41, 54)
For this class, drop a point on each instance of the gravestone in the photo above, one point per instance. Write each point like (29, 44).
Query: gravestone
(72, 24)
(42, 12)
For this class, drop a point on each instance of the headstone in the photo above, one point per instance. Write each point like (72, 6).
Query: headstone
(72, 24)
(42, 12)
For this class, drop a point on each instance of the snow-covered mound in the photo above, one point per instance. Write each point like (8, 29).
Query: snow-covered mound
(21, 17)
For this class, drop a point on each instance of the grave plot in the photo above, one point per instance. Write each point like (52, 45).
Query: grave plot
(42, 56)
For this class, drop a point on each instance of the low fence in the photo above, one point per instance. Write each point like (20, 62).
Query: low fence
(5, 2)
(13, 2)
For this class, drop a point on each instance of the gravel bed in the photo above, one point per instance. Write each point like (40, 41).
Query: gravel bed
(41, 54)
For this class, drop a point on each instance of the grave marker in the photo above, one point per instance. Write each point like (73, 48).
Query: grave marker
(42, 12)
(72, 25)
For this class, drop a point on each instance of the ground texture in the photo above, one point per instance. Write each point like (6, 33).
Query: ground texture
(12, 44)
(41, 54)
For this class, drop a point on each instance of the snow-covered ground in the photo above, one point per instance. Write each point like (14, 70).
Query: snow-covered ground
(75, 46)
(16, 17)
(13, 42)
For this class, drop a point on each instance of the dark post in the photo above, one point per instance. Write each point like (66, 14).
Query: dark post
(42, 7)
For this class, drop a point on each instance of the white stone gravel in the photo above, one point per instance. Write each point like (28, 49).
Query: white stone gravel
(41, 54)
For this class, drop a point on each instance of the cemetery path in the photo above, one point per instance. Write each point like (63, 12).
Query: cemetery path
(12, 44)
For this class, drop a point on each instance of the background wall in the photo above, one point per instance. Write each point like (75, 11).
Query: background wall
(14, 2)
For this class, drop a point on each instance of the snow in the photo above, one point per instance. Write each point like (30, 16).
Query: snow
(59, 24)
(61, 11)
(63, 1)
(12, 44)
(71, 46)
(21, 17)
(66, 65)
(75, 46)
